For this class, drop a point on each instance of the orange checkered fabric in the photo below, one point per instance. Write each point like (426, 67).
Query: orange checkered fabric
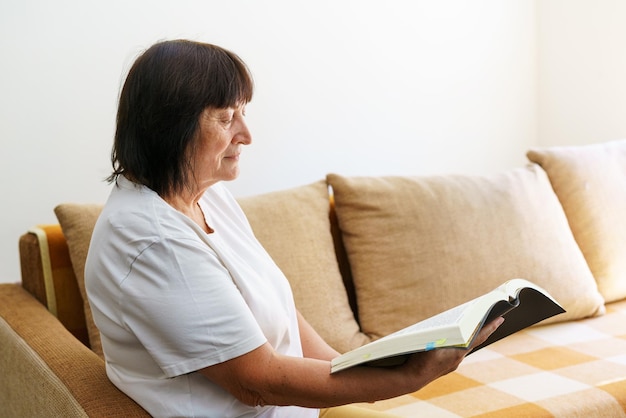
(572, 369)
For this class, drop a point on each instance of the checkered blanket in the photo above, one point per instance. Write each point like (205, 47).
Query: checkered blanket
(572, 369)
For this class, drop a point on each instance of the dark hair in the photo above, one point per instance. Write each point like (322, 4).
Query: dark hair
(166, 90)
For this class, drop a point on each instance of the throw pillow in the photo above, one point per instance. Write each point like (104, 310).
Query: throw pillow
(77, 222)
(294, 227)
(590, 182)
(421, 245)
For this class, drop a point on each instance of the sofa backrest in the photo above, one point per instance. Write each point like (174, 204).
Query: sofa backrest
(417, 245)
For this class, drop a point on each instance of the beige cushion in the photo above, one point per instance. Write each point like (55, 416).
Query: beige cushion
(294, 227)
(77, 222)
(419, 245)
(590, 182)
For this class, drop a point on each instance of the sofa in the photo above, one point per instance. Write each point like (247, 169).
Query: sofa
(367, 256)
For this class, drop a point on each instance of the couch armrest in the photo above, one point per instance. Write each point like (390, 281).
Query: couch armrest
(47, 274)
(46, 371)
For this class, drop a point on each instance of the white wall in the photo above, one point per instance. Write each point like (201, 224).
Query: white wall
(582, 71)
(354, 87)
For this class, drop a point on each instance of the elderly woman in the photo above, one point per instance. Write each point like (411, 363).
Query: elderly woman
(195, 317)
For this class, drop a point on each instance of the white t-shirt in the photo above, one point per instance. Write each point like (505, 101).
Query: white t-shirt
(170, 299)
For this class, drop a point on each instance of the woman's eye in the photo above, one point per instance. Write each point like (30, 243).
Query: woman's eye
(229, 116)
(227, 119)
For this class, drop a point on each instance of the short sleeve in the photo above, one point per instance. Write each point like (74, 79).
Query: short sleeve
(183, 306)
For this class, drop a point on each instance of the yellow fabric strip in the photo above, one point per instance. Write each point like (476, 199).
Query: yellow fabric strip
(46, 265)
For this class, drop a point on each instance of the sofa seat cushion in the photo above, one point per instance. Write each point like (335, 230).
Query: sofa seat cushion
(420, 245)
(568, 369)
(590, 182)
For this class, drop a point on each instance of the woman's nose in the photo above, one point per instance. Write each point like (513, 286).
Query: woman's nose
(243, 135)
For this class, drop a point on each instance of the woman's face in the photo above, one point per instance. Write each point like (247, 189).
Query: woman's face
(221, 135)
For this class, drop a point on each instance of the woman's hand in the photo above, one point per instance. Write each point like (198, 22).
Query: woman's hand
(430, 365)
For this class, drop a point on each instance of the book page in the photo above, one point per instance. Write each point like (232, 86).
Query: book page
(446, 318)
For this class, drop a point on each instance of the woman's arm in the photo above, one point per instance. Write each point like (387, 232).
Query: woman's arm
(314, 346)
(264, 377)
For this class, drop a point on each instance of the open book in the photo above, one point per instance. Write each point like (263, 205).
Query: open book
(519, 301)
